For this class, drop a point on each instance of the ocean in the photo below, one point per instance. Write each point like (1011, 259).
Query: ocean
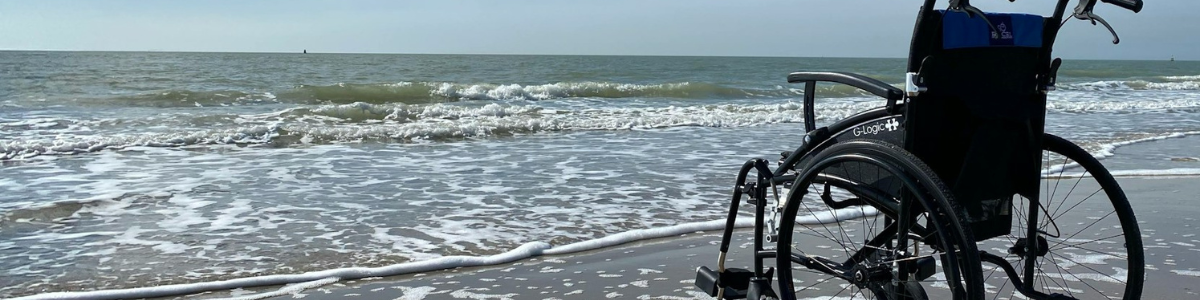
(131, 169)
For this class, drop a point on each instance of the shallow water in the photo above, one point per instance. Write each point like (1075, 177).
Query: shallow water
(138, 169)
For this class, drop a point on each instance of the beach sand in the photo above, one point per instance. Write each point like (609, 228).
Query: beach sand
(652, 269)
(665, 268)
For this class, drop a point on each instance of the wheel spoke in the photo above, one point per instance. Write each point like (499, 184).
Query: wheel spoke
(1077, 204)
(842, 235)
(1089, 285)
(818, 235)
(1064, 278)
(1057, 193)
(815, 284)
(814, 214)
(1045, 286)
(1001, 289)
(1060, 172)
(1076, 246)
(993, 272)
(1089, 268)
(839, 293)
(1068, 195)
(1084, 228)
(889, 177)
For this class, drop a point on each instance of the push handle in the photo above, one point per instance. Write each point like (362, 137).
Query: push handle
(1134, 5)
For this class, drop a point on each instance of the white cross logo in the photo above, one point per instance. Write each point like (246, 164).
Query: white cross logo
(892, 125)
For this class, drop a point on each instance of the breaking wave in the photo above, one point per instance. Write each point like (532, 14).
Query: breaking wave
(400, 122)
(1181, 78)
(1091, 105)
(441, 92)
(1172, 83)
(185, 98)
(365, 122)
(431, 92)
(425, 92)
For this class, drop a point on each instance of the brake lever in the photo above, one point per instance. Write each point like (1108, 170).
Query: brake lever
(1084, 12)
(1089, 16)
(965, 6)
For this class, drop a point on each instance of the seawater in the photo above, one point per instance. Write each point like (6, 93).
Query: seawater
(124, 169)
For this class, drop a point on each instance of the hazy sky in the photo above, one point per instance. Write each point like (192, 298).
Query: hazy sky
(842, 28)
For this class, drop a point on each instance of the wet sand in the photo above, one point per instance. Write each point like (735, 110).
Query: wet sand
(1166, 207)
(654, 269)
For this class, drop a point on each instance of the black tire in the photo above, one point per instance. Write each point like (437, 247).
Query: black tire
(1093, 237)
(882, 177)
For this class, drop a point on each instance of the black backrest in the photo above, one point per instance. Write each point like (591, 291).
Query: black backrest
(980, 122)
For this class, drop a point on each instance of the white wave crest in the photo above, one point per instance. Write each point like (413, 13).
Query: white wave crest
(360, 122)
(425, 92)
(1184, 77)
(1108, 150)
(1179, 84)
(1088, 105)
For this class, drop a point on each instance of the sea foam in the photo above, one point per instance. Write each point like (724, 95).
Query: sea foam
(1179, 83)
(532, 249)
(400, 122)
(1108, 150)
(361, 122)
(430, 92)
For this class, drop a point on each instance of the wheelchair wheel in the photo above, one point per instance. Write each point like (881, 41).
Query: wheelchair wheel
(1084, 219)
(839, 230)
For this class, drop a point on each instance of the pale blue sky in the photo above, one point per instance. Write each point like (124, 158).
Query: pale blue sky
(842, 28)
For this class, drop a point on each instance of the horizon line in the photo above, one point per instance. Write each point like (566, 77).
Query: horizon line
(424, 53)
(515, 54)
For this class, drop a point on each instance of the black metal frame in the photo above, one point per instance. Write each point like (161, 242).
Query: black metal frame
(817, 138)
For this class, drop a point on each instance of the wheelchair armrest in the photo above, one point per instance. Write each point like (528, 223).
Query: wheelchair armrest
(871, 85)
(865, 83)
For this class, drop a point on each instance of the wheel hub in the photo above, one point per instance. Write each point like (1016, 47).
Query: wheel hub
(1021, 247)
(864, 274)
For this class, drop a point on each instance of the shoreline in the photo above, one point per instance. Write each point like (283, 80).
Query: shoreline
(531, 250)
(664, 267)
(675, 250)
(646, 269)
(1170, 267)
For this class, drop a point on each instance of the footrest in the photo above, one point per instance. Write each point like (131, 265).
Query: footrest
(735, 281)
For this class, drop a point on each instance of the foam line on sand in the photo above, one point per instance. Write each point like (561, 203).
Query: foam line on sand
(1108, 150)
(313, 279)
(524, 251)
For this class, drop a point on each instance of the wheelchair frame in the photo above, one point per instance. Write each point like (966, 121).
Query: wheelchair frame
(738, 283)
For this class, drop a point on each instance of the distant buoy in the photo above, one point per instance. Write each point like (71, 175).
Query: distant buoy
(306, 52)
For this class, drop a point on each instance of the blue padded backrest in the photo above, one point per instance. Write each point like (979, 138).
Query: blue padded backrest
(1015, 30)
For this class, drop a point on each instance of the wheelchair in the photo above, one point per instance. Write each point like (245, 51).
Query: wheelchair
(951, 189)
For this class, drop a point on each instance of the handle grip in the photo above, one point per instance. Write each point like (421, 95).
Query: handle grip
(1134, 5)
